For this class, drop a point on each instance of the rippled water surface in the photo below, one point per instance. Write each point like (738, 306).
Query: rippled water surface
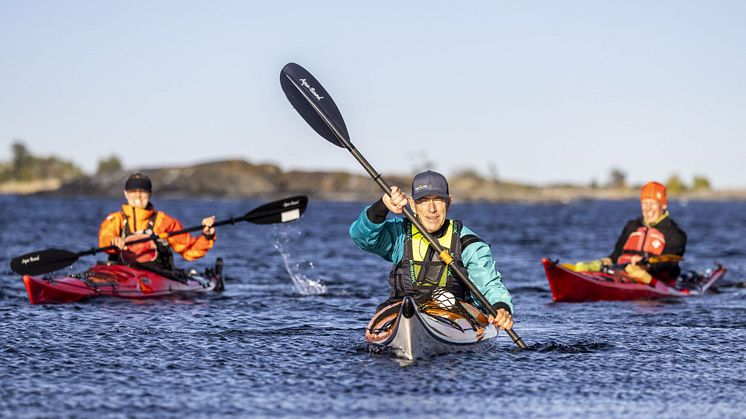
(285, 338)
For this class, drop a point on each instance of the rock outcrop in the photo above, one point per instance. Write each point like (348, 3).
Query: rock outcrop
(238, 179)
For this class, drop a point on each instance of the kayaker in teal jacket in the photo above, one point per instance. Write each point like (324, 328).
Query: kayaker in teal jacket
(417, 269)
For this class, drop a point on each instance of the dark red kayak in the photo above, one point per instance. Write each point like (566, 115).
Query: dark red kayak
(570, 286)
(123, 281)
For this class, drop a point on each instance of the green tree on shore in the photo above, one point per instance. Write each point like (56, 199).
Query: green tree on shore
(109, 165)
(26, 167)
(617, 179)
(701, 183)
(675, 185)
(21, 162)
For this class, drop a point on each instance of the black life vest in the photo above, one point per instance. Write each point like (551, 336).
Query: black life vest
(421, 271)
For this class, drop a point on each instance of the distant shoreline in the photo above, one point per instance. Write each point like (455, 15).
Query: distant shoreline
(239, 179)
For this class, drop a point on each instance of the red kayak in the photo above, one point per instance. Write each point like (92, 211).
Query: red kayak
(123, 281)
(570, 286)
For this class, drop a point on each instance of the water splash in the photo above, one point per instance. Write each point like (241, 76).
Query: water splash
(305, 279)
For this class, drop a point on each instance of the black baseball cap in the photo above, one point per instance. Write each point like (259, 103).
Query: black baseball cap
(138, 181)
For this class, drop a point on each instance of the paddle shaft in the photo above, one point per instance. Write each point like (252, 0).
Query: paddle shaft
(653, 260)
(443, 253)
(268, 209)
(44, 261)
(667, 258)
(93, 251)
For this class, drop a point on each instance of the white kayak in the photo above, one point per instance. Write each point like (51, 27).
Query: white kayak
(415, 331)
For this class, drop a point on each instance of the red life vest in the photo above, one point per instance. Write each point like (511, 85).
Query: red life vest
(140, 252)
(644, 241)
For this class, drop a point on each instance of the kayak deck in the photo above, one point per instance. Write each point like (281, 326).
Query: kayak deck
(119, 280)
(416, 331)
(570, 286)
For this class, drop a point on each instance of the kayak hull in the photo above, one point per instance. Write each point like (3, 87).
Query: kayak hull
(415, 331)
(122, 281)
(570, 286)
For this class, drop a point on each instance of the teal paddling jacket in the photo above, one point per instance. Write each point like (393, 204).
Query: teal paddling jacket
(386, 239)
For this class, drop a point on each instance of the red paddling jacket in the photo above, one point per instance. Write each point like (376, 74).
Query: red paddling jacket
(662, 238)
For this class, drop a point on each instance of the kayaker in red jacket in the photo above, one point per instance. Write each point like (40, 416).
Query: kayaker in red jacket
(652, 245)
(138, 219)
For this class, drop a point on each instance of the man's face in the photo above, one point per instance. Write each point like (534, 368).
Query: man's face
(431, 210)
(651, 210)
(137, 198)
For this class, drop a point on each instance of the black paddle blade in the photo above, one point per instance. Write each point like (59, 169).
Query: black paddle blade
(314, 104)
(283, 211)
(37, 263)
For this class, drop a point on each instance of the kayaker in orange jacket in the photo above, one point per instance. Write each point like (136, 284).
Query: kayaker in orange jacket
(138, 219)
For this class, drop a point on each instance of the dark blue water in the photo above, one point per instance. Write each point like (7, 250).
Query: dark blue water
(285, 338)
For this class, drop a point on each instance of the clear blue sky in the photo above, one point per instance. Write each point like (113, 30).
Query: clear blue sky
(545, 91)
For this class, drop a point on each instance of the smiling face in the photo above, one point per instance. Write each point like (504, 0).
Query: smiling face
(137, 198)
(431, 211)
(651, 210)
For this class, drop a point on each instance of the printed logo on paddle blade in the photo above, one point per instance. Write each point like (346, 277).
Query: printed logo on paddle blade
(311, 89)
(30, 259)
(290, 203)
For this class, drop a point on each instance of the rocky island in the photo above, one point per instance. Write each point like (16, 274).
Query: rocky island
(237, 179)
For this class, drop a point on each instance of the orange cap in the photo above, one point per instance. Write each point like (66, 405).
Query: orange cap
(654, 190)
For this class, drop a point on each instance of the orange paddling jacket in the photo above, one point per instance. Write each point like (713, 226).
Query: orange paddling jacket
(139, 219)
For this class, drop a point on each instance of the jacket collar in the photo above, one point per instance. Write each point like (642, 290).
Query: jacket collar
(139, 214)
(656, 222)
